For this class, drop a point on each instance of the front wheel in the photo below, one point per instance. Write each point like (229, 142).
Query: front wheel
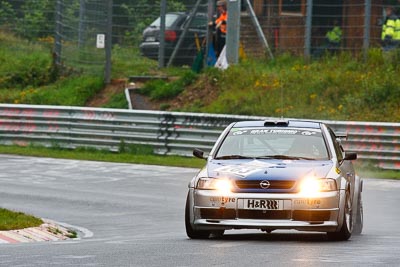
(347, 226)
(190, 232)
(359, 222)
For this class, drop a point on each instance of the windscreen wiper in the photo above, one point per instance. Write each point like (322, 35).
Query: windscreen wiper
(283, 157)
(234, 157)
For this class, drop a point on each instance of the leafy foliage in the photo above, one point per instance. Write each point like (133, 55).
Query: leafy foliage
(128, 15)
(7, 14)
(74, 91)
(160, 89)
(117, 101)
(24, 63)
(35, 19)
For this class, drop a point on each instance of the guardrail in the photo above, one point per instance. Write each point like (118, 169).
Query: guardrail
(173, 133)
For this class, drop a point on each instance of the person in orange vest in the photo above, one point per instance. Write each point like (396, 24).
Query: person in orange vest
(220, 26)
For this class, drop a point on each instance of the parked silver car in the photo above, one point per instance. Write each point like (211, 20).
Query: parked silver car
(268, 175)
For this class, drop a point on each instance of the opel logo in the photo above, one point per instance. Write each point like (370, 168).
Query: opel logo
(265, 184)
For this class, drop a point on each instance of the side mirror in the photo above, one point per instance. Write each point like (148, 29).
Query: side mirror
(350, 156)
(198, 153)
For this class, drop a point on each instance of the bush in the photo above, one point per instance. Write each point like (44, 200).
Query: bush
(74, 91)
(160, 89)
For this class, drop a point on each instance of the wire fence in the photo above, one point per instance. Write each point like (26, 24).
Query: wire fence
(79, 28)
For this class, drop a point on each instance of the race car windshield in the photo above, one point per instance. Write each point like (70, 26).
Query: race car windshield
(274, 143)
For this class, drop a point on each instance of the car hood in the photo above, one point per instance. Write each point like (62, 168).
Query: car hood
(282, 174)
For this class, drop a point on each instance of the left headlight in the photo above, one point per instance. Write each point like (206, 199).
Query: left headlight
(222, 185)
(312, 186)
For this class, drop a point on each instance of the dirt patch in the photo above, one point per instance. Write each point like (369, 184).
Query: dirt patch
(103, 97)
(118, 86)
(202, 93)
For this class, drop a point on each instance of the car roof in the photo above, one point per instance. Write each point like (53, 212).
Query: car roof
(279, 123)
(198, 14)
(182, 17)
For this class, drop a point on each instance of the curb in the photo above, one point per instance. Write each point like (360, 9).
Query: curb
(48, 231)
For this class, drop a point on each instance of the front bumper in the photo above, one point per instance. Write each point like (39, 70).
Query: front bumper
(213, 211)
(150, 49)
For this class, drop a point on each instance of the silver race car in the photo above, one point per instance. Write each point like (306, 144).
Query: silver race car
(268, 175)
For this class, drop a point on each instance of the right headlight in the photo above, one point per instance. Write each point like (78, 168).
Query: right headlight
(222, 185)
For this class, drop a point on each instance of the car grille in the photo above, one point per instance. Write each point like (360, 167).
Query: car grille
(267, 215)
(308, 216)
(255, 184)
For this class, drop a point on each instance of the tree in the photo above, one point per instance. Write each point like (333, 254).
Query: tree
(132, 16)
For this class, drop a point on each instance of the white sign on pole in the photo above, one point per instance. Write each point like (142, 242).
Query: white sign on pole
(101, 40)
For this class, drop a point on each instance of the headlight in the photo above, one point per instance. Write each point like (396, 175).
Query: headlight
(222, 185)
(313, 186)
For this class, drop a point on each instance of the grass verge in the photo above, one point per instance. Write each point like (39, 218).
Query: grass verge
(11, 220)
(102, 155)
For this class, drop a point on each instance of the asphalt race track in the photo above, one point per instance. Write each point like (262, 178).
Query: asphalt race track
(132, 215)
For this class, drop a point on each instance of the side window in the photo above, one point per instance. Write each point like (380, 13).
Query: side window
(338, 149)
(292, 7)
(169, 20)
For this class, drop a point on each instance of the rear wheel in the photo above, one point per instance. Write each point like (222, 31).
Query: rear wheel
(190, 232)
(347, 226)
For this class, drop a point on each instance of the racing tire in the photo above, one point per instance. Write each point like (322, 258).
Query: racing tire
(347, 226)
(359, 222)
(217, 234)
(190, 232)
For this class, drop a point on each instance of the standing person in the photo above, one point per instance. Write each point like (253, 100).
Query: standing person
(333, 38)
(220, 26)
(390, 38)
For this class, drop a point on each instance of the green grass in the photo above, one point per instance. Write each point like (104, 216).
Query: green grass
(136, 156)
(74, 91)
(11, 220)
(117, 101)
(160, 89)
(341, 87)
(380, 174)
(128, 62)
(367, 169)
